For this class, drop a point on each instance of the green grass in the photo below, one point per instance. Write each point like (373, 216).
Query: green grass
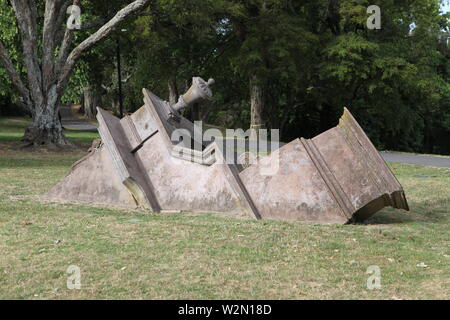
(12, 129)
(208, 256)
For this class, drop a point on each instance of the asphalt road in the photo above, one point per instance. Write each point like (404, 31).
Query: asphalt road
(70, 122)
(417, 159)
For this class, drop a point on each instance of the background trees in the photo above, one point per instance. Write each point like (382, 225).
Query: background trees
(282, 64)
(48, 58)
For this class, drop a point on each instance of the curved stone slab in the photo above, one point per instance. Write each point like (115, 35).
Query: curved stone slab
(336, 177)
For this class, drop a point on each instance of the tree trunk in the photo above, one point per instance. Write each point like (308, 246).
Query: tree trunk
(48, 75)
(91, 100)
(115, 105)
(428, 138)
(257, 102)
(82, 102)
(46, 128)
(173, 90)
(196, 112)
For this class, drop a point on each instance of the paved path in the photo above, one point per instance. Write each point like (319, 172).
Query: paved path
(417, 159)
(70, 122)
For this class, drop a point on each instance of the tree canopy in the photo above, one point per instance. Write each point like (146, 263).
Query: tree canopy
(284, 64)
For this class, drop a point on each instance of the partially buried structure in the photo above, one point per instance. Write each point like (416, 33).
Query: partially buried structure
(336, 177)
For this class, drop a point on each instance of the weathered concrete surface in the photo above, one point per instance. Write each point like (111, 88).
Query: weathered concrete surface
(296, 192)
(93, 179)
(128, 165)
(187, 185)
(335, 177)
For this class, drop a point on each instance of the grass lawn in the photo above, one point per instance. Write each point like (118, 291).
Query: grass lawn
(136, 255)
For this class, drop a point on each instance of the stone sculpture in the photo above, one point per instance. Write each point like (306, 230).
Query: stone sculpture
(336, 177)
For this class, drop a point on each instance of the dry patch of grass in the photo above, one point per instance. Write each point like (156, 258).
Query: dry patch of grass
(136, 255)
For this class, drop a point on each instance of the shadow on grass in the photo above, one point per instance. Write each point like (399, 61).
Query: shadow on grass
(14, 122)
(12, 130)
(33, 163)
(428, 211)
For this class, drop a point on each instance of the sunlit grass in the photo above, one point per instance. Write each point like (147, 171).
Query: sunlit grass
(134, 254)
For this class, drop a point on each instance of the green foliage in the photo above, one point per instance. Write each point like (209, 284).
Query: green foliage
(10, 38)
(312, 56)
(391, 76)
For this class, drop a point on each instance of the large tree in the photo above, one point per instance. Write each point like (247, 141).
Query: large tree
(270, 36)
(50, 60)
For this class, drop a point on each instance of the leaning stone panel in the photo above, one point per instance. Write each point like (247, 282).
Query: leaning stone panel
(93, 180)
(296, 192)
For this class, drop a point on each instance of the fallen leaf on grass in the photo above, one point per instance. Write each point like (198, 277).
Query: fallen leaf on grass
(422, 265)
